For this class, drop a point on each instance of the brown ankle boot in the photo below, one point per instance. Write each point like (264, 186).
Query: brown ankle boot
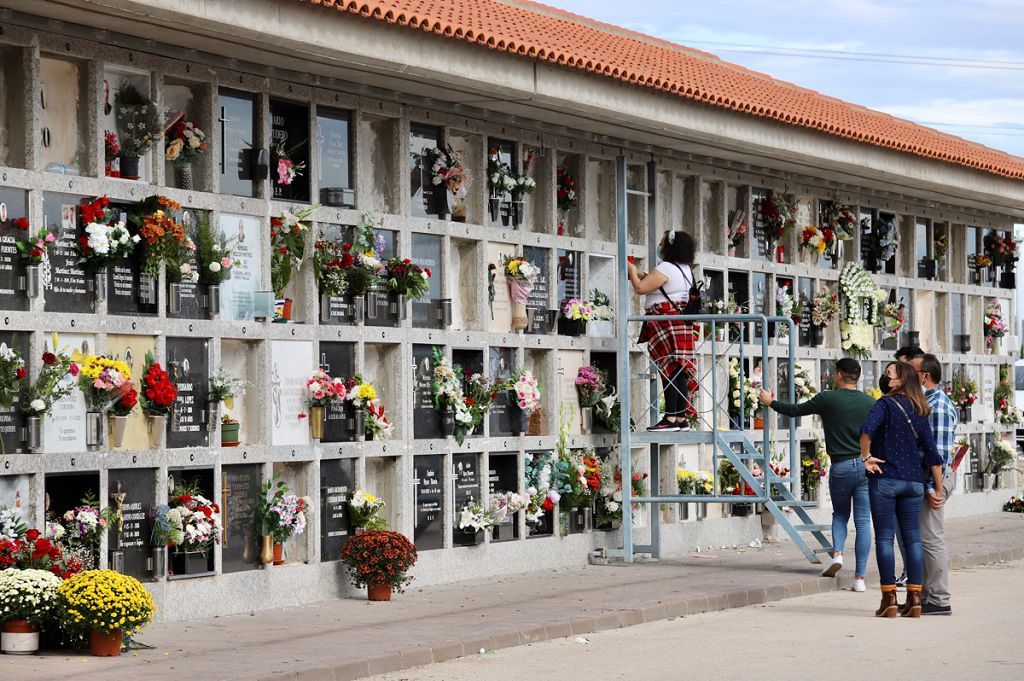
(913, 605)
(889, 606)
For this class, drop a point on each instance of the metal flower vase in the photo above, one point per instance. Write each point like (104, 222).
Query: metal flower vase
(32, 281)
(93, 430)
(213, 301)
(34, 433)
(317, 418)
(397, 307)
(586, 420)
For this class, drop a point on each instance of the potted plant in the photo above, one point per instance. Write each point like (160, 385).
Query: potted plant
(322, 390)
(224, 388)
(575, 314)
(106, 604)
(28, 601)
(380, 560)
(363, 508)
(56, 379)
(281, 514)
(520, 275)
(405, 279)
(185, 143)
(191, 525)
(137, 127)
(287, 249)
(229, 428)
(214, 257)
(157, 396)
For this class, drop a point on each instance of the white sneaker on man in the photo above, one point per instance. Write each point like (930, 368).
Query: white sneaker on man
(858, 585)
(832, 567)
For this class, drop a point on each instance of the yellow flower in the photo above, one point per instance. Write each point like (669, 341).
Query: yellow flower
(366, 391)
(174, 149)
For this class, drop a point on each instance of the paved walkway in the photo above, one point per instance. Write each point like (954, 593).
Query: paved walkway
(350, 639)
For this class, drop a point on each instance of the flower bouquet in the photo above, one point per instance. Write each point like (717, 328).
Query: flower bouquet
(520, 276)
(1014, 505)
(363, 508)
(281, 514)
(1007, 412)
(744, 396)
(184, 144)
(542, 497)
(111, 149)
(995, 327)
(825, 308)
(892, 319)
(862, 299)
(281, 160)
(817, 241)
(813, 470)
(164, 240)
(329, 269)
(379, 560)
(737, 232)
(841, 220)
(158, 391)
(963, 393)
(575, 315)
(1001, 457)
(405, 279)
(778, 213)
(34, 249)
(107, 240)
(447, 174)
(500, 181)
(525, 392)
(803, 388)
(785, 306)
(191, 524)
(940, 246)
(321, 392)
(56, 380)
(107, 386)
(591, 385)
(287, 247)
(214, 254)
(138, 127)
(106, 604)
(12, 373)
(11, 525)
(888, 243)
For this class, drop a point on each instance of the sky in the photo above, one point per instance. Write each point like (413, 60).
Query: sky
(966, 75)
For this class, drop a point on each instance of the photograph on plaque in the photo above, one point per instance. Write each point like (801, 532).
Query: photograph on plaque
(337, 484)
(11, 418)
(237, 291)
(240, 497)
(466, 483)
(503, 409)
(237, 132)
(538, 298)
(62, 280)
(334, 157)
(13, 211)
(338, 360)
(426, 252)
(132, 350)
(423, 139)
(188, 365)
(428, 481)
(291, 364)
(64, 426)
(503, 476)
(289, 150)
(131, 495)
(426, 421)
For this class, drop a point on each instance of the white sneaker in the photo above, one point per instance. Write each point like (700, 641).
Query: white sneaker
(859, 586)
(834, 566)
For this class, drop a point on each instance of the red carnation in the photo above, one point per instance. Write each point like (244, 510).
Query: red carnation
(73, 369)
(216, 508)
(184, 498)
(21, 223)
(32, 535)
(427, 270)
(22, 373)
(49, 358)
(547, 505)
(347, 247)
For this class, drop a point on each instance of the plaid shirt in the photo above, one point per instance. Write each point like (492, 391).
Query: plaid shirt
(944, 420)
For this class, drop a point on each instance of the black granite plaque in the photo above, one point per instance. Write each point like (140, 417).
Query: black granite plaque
(739, 288)
(503, 409)
(538, 298)
(782, 390)
(64, 282)
(237, 134)
(188, 297)
(805, 292)
(466, 482)
(425, 418)
(506, 155)
(131, 492)
(334, 160)
(337, 360)
(289, 128)
(716, 284)
(123, 295)
(240, 499)
(11, 418)
(188, 364)
(422, 140)
(569, 273)
(426, 249)
(337, 482)
(889, 266)
(762, 247)
(429, 500)
(12, 207)
(761, 298)
(502, 476)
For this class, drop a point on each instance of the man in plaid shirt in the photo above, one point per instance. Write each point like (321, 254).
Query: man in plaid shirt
(943, 419)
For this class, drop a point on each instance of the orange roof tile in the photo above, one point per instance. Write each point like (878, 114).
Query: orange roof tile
(545, 33)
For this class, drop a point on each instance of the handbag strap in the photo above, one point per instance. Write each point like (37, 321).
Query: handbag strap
(917, 438)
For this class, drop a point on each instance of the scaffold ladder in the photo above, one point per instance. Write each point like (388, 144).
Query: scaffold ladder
(778, 494)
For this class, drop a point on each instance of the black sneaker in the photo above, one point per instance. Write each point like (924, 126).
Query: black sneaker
(664, 426)
(684, 426)
(932, 609)
(901, 583)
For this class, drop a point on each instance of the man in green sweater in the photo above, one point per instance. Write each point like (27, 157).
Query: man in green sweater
(842, 412)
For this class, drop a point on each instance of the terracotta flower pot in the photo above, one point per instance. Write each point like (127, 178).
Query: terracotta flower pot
(105, 645)
(278, 554)
(378, 592)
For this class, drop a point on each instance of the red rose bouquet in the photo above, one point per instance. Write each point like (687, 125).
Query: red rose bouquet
(405, 277)
(158, 392)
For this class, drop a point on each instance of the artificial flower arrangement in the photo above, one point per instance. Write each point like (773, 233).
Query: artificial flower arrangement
(744, 395)
(893, 315)
(824, 308)
(111, 149)
(379, 558)
(995, 327)
(694, 482)
(215, 254)
(448, 394)
(888, 239)
(322, 390)
(225, 387)
(106, 602)
(329, 267)
(803, 388)
(817, 240)
(185, 142)
(287, 246)
(106, 383)
(363, 508)
(565, 188)
(525, 390)
(476, 517)
(577, 310)
(12, 373)
(862, 298)
(79, 530)
(600, 306)
(524, 183)
(158, 391)
(137, 119)
(724, 306)
(520, 276)
(11, 525)
(281, 160)
(164, 239)
(940, 246)
(363, 259)
(107, 240)
(280, 513)
(778, 213)
(813, 469)
(963, 390)
(57, 379)
(378, 424)
(982, 261)
(538, 486)
(591, 385)
(1007, 412)
(581, 470)
(608, 505)
(785, 306)
(190, 523)
(363, 396)
(500, 178)
(406, 278)
(34, 249)
(447, 169)
(737, 231)
(29, 595)
(841, 220)
(1001, 457)
(1001, 250)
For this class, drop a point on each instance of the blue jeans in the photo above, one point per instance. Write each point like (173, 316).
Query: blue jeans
(847, 483)
(902, 499)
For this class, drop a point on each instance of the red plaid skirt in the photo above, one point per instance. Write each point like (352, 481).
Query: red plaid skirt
(669, 344)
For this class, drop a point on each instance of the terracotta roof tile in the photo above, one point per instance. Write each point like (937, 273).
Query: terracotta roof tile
(548, 34)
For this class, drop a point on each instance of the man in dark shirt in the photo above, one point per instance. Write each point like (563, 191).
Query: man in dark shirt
(842, 412)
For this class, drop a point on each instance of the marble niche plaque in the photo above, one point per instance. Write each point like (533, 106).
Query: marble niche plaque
(429, 501)
(503, 408)
(426, 422)
(12, 268)
(123, 294)
(11, 418)
(240, 497)
(291, 364)
(131, 494)
(502, 476)
(238, 290)
(538, 298)
(466, 484)
(337, 483)
(63, 282)
(426, 252)
(337, 359)
(188, 364)
(64, 426)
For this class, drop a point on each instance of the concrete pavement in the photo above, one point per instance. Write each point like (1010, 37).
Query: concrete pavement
(349, 639)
